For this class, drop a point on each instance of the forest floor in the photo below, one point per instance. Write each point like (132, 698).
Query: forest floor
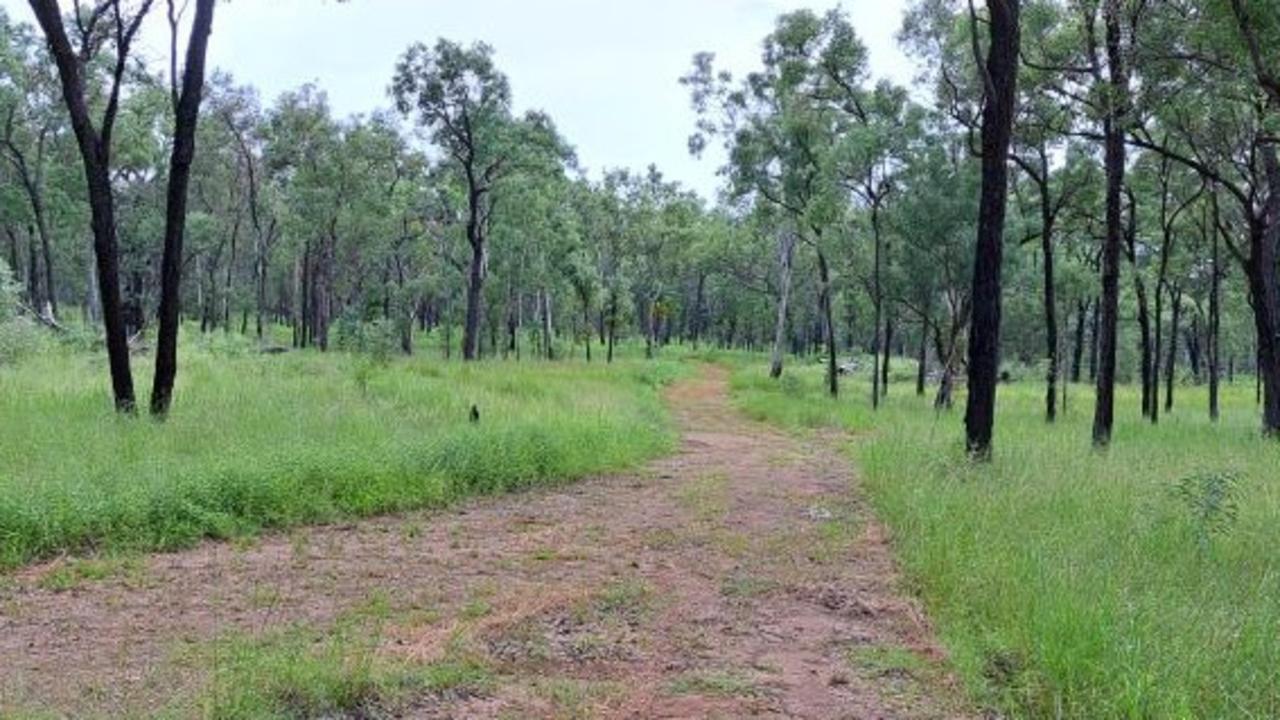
(743, 576)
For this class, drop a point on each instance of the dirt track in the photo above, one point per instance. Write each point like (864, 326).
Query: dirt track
(741, 577)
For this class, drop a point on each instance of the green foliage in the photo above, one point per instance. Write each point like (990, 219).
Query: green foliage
(1060, 579)
(273, 441)
(19, 336)
(1211, 501)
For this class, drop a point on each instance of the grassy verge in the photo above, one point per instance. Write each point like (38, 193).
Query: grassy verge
(1142, 582)
(260, 442)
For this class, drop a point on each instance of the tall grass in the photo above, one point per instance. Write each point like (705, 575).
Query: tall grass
(1072, 583)
(260, 442)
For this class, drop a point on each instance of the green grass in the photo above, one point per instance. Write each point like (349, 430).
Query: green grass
(1071, 583)
(340, 671)
(258, 442)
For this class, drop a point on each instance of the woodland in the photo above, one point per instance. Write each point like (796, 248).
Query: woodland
(1036, 294)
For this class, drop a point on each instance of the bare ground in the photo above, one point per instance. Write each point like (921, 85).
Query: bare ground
(741, 577)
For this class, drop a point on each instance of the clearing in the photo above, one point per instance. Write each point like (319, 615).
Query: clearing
(743, 576)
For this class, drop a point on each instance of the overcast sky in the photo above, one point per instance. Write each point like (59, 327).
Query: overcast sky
(606, 70)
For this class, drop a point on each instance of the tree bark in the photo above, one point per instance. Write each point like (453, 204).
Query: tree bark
(1000, 80)
(545, 310)
(1050, 301)
(186, 117)
(922, 358)
(1114, 160)
(475, 289)
(786, 256)
(95, 152)
(1077, 349)
(1144, 343)
(829, 328)
(1214, 326)
(1171, 363)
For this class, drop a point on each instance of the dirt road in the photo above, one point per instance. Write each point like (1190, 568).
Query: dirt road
(741, 577)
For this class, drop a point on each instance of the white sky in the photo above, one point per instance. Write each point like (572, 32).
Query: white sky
(606, 70)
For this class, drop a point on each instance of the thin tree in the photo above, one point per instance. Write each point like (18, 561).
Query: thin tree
(186, 116)
(107, 18)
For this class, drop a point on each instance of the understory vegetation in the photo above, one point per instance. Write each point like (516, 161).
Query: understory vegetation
(273, 441)
(1140, 582)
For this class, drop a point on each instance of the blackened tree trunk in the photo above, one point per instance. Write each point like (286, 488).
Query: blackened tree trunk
(877, 340)
(35, 298)
(1215, 279)
(1171, 363)
(1144, 343)
(475, 295)
(828, 324)
(1156, 350)
(922, 358)
(1095, 323)
(95, 152)
(1192, 337)
(1000, 81)
(1260, 269)
(612, 324)
(884, 363)
(786, 256)
(1114, 159)
(1050, 301)
(1077, 350)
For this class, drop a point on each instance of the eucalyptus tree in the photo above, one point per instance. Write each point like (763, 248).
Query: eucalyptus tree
(878, 127)
(114, 24)
(237, 110)
(781, 128)
(464, 101)
(999, 75)
(187, 94)
(934, 219)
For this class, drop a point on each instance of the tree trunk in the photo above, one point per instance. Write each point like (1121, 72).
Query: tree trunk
(475, 289)
(829, 328)
(35, 298)
(877, 302)
(922, 358)
(46, 250)
(1144, 343)
(1000, 77)
(612, 324)
(1114, 159)
(1157, 349)
(1171, 363)
(1261, 272)
(1050, 302)
(545, 310)
(786, 255)
(1214, 326)
(186, 116)
(884, 363)
(1077, 349)
(13, 250)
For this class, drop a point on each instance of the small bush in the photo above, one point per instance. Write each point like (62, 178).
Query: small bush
(1210, 499)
